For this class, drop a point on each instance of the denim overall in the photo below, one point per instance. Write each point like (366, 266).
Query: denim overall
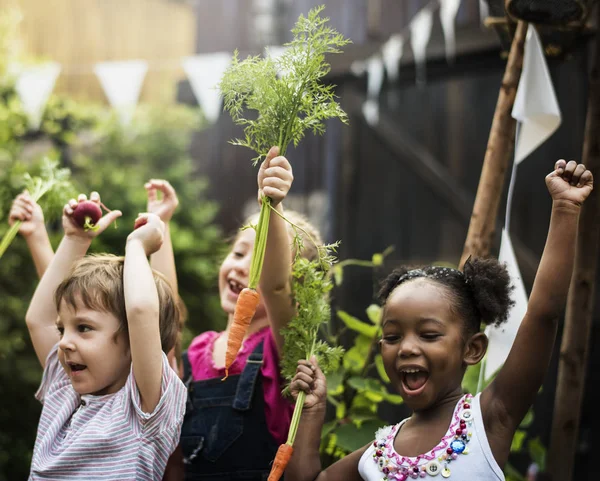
(224, 434)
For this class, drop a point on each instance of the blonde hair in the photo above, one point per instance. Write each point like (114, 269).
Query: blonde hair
(310, 251)
(97, 281)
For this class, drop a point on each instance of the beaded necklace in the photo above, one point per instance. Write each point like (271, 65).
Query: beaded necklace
(400, 468)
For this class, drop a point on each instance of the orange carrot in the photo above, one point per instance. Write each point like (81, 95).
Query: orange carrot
(245, 308)
(282, 458)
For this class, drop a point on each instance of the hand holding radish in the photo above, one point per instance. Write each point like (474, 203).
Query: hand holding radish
(275, 177)
(310, 379)
(148, 230)
(26, 210)
(165, 206)
(83, 217)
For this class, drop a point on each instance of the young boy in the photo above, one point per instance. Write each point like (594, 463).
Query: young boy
(112, 407)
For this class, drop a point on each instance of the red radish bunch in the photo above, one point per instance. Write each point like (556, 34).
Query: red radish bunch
(86, 214)
(139, 222)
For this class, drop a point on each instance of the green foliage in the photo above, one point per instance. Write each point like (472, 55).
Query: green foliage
(287, 94)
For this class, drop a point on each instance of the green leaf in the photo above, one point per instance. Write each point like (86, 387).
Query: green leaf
(512, 474)
(527, 420)
(381, 369)
(374, 314)
(377, 259)
(350, 437)
(338, 274)
(537, 452)
(328, 428)
(394, 399)
(354, 360)
(335, 385)
(517, 441)
(357, 325)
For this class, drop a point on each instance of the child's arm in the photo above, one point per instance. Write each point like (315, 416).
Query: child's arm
(305, 464)
(513, 391)
(274, 180)
(163, 260)
(142, 308)
(33, 229)
(42, 313)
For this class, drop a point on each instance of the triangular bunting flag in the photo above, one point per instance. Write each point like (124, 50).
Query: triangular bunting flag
(501, 338)
(536, 107)
(420, 32)
(34, 85)
(204, 73)
(448, 11)
(122, 83)
(392, 53)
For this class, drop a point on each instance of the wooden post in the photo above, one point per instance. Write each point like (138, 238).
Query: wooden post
(574, 348)
(497, 155)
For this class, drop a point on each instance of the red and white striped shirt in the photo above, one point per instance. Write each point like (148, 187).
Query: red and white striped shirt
(104, 437)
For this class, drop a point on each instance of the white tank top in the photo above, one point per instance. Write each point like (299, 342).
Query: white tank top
(463, 453)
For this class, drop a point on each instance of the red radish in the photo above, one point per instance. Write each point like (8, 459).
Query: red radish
(86, 214)
(140, 222)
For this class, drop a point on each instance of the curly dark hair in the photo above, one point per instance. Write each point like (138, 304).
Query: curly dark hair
(481, 293)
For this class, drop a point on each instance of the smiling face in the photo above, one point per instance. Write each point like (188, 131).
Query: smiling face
(423, 343)
(235, 270)
(93, 353)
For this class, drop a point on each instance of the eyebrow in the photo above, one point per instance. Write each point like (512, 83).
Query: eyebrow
(423, 320)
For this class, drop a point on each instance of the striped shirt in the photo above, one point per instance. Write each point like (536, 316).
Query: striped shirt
(105, 437)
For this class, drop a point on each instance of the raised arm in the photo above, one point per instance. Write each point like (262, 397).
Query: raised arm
(164, 207)
(33, 229)
(142, 308)
(305, 464)
(274, 180)
(42, 314)
(513, 391)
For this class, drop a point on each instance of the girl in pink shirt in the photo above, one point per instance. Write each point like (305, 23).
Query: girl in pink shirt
(232, 427)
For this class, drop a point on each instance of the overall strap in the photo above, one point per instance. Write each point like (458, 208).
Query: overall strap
(247, 381)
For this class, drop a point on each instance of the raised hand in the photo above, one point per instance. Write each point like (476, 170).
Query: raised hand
(310, 379)
(149, 230)
(166, 205)
(26, 210)
(570, 182)
(275, 177)
(71, 218)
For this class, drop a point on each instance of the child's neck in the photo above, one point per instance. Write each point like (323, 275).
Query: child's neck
(440, 411)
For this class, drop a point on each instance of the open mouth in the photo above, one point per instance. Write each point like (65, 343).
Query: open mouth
(413, 380)
(75, 368)
(234, 286)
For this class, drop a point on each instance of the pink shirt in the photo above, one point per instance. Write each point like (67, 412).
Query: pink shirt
(105, 437)
(278, 410)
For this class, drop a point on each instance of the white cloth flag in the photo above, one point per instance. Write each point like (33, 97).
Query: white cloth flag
(484, 11)
(420, 33)
(392, 53)
(34, 86)
(501, 338)
(536, 107)
(204, 73)
(537, 111)
(122, 84)
(375, 72)
(448, 12)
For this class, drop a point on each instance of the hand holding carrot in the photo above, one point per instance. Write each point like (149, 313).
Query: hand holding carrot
(164, 207)
(82, 218)
(149, 230)
(310, 379)
(275, 177)
(26, 210)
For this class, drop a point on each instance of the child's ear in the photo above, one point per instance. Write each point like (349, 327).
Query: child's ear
(475, 349)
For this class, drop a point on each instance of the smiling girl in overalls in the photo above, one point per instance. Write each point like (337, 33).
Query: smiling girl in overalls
(233, 427)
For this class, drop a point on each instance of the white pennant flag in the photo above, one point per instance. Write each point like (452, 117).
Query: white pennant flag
(34, 85)
(420, 32)
(204, 73)
(484, 11)
(122, 84)
(536, 107)
(501, 338)
(375, 76)
(392, 53)
(448, 12)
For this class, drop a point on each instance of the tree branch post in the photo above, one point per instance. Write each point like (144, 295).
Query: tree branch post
(574, 349)
(497, 155)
